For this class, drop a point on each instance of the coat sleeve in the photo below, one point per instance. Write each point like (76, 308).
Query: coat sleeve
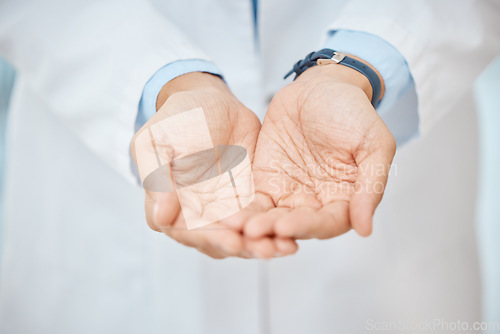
(446, 44)
(89, 61)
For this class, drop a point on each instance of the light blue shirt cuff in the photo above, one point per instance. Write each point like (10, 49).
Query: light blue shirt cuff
(147, 104)
(398, 107)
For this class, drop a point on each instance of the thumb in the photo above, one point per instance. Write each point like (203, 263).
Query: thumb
(162, 209)
(373, 172)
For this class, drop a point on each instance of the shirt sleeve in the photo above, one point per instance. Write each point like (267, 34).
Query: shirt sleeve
(399, 84)
(90, 61)
(445, 45)
(147, 104)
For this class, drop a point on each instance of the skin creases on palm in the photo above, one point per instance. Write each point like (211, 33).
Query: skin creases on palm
(229, 123)
(303, 177)
(298, 172)
(210, 124)
(307, 160)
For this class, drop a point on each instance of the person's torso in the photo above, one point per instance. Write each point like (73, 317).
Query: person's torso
(79, 258)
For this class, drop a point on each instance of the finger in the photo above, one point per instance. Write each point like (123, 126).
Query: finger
(262, 224)
(262, 248)
(306, 223)
(369, 188)
(261, 203)
(285, 246)
(211, 253)
(162, 209)
(215, 240)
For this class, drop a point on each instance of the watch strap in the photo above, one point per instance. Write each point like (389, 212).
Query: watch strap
(340, 58)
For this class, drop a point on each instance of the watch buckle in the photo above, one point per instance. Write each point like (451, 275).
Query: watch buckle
(336, 58)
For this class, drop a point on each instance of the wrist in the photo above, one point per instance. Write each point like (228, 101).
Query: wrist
(190, 82)
(344, 74)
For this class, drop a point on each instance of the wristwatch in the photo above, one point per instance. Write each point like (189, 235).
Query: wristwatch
(329, 56)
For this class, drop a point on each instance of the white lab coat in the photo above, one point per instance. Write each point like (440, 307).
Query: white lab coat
(78, 256)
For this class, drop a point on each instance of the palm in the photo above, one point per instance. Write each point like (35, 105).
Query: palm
(308, 159)
(229, 123)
